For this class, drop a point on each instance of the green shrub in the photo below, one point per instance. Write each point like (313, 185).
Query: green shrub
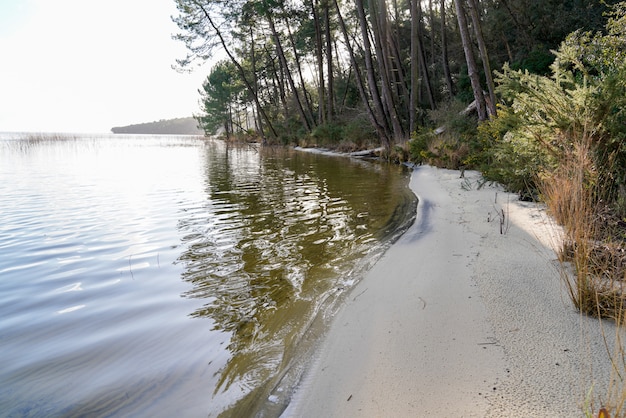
(327, 134)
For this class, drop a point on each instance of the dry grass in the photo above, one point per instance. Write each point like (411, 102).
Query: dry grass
(447, 151)
(596, 286)
(573, 195)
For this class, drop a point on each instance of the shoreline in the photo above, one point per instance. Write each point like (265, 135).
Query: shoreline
(459, 319)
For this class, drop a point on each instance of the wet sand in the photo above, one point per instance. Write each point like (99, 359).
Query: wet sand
(464, 316)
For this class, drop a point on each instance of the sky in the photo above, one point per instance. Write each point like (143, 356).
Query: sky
(86, 66)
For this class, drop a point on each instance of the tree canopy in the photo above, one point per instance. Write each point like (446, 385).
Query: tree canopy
(307, 70)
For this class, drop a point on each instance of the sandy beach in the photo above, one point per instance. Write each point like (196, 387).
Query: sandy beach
(464, 316)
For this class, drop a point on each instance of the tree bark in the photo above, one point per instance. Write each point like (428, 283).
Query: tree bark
(431, 18)
(321, 114)
(371, 77)
(482, 47)
(283, 60)
(414, 96)
(255, 81)
(358, 76)
(307, 102)
(378, 14)
(422, 58)
(444, 51)
(472, 69)
(330, 93)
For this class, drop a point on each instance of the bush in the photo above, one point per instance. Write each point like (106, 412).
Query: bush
(327, 134)
(504, 155)
(449, 145)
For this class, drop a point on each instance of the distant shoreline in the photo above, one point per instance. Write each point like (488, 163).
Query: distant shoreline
(178, 126)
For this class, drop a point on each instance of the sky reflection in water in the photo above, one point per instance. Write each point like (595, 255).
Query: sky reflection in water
(96, 234)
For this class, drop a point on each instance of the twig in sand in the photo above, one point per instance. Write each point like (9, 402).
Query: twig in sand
(359, 294)
(503, 217)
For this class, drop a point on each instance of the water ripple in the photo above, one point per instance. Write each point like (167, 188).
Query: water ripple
(163, 276)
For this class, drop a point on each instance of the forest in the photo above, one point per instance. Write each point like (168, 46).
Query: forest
(336, 71)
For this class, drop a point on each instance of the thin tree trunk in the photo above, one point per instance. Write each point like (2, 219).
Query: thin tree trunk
(414, 98)
(277, 81)
(381, 119)
(380, 130)
(444, 50)
(522, 28)
(422, 57)
(402, 89)
(307, 101)
(283, 60)
(255, 81)
(321, 114)
(482, 47)
(379, 28)
(431, 18)
(330, 93)
(472, 69)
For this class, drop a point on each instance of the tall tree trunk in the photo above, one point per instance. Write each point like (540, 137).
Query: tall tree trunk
(400, 79)
(482, 47)
(330, 93)
(378, 10)
(283, 60)
(255, 82)
(444, 51)
(422, 57)
(414, 99)
(321, 114)
(277, 80)
(307, 101)
(380, 130)
(371, 76)
(431, 19)
(472, 69)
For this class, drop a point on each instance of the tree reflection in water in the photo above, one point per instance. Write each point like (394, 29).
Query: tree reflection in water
(278, 232)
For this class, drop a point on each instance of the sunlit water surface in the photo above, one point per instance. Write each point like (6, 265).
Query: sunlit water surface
(175, 276)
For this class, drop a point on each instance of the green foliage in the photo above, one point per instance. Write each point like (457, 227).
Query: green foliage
(358, 130)
(510, 159)
(537, 61)
(550, 118)
(326, 134)
(219, 96)
(418, 146)
(451, 144)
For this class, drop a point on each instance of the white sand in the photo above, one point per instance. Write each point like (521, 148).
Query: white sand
(459, 320)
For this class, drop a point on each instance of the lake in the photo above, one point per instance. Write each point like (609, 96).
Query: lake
(176, 276)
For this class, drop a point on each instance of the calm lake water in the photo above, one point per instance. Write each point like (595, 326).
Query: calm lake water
(176, 276)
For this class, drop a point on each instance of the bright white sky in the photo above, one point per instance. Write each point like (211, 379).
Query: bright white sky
(87, 66)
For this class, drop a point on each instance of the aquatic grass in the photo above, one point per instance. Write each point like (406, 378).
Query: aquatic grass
(26, 141)
(39, 137)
